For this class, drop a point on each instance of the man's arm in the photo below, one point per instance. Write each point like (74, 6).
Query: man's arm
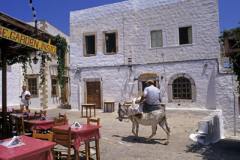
(142, 98)
(160, 100)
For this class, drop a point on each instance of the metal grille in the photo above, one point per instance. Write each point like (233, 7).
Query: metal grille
(32, 86)
(181, 88)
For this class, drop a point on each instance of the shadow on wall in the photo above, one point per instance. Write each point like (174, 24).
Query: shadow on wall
(211, 90)
(227, 149)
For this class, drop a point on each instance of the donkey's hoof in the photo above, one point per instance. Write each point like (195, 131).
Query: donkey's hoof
(166, 143)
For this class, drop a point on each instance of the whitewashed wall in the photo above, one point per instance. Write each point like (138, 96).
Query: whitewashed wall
(134, 19)
(13, 86)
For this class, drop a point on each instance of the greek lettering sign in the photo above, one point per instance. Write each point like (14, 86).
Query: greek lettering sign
(26, 40)
(146, 75)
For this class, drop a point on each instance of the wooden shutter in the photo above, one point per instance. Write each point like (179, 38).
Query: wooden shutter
(189, 35)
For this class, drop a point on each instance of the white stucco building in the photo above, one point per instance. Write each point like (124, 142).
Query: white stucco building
(115, 48)
(46, 96)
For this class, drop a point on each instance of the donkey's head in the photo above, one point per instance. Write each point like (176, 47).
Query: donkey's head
(121, 112)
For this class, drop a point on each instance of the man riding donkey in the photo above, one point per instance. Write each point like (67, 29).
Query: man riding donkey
(153, 113)
(152, 99)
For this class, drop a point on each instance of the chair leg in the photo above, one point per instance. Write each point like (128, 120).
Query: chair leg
(86, 150)
(97, 148)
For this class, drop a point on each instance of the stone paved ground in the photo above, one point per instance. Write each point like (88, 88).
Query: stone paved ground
(117, 140)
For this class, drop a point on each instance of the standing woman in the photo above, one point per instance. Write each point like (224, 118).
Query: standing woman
(25, 96)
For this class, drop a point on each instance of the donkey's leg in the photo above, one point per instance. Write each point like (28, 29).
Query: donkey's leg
(135, 125)
(154, 129)
(168, 133)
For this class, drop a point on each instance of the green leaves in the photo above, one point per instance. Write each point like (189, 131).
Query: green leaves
(62, 49)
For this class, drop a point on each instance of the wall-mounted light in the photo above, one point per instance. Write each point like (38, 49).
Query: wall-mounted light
(135, 79)
(130, 63)
(35, 59)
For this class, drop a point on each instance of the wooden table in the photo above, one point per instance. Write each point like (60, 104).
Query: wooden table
(36, 124)
(89, 106)
(33, 149)
(106, 103)
(82, 134)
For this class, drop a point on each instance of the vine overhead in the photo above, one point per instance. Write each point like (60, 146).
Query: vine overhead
(231, 42)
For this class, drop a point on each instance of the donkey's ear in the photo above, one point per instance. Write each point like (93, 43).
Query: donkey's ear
(119, 105)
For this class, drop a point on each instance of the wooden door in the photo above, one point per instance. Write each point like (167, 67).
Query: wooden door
(64, 95)
(144, 85)
(93, 93)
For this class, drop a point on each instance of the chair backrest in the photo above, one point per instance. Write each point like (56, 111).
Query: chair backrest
(62, 137)
(20, 125)
(60, 121)
(91, 120)
(16, 111)
(31, 117)
(43, 112)
(61, 115)
(49, 137)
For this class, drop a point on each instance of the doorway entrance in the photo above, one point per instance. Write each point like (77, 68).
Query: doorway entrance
(93, 93)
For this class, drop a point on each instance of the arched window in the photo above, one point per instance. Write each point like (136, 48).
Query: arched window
(181, 88)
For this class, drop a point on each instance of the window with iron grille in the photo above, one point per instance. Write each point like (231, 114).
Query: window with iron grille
(32, 86)
(185, 35)
(156, 38)
(54, 88)
(181, 88)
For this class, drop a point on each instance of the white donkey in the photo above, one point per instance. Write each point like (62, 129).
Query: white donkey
(153, 118)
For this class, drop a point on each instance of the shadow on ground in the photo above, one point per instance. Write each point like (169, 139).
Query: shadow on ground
(64, 106)
(225, 149)
(141, 140)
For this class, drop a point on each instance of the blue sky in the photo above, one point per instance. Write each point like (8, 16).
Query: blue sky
(57, 12)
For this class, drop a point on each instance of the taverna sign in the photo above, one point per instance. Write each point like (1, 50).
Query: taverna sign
(26, 40)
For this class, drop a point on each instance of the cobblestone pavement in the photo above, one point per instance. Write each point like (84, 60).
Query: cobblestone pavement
(117, 139)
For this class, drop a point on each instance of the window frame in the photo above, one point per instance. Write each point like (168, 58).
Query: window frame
(104, 41)
(84, 43)
(33, 76)
(181, 83)
(151, 39)
(190, 41)
(57, 90)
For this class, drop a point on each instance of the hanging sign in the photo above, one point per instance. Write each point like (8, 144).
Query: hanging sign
(26, 40)
(147, 75)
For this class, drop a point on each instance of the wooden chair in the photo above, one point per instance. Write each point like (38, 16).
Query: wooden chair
(20, 125)
(61, 115)
(87, 142)
(62, 138)
(17, 111)
(43, 112)
(60, 121)
(31, 117)
(49, 137)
